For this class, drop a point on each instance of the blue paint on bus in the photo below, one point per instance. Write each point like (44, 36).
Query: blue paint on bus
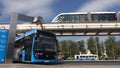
(39, 46)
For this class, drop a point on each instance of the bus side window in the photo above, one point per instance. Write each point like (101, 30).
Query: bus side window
(77, 57)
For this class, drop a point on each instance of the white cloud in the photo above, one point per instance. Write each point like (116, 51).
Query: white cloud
(28, 7)
(98, 5)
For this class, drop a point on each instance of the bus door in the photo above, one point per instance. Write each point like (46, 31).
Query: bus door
(28, 50)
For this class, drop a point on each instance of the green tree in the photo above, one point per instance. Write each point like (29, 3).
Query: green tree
(63, 47)
(117, 49)
(81, 46)
(68, 48)
(72, 48)
(102, 50)
(91, 45)
(110, 44)
(98, 47)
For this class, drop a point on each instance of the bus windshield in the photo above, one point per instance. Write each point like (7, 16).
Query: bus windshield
(45, 43)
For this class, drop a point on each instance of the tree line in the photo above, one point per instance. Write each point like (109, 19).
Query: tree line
(110, 48)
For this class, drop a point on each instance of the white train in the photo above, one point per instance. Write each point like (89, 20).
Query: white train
(88, 17)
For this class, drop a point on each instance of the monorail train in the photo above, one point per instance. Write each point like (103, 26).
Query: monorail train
(87, 17)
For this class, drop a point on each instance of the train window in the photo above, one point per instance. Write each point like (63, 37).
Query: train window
(76, 18)
(95, 17)
(60, 19)
(68, 18)
(103, 17)
(83, 18)
(64, 18)
(72, 18)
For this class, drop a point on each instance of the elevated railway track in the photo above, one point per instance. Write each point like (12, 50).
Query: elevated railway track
(70, 29)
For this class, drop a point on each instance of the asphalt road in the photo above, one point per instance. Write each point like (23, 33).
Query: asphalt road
(21, 65)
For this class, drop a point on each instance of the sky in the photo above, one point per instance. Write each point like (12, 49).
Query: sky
(48, 9)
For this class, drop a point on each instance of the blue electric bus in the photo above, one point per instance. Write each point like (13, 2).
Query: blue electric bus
(35, 46)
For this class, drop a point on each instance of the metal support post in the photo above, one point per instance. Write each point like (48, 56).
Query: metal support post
(12, 33)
